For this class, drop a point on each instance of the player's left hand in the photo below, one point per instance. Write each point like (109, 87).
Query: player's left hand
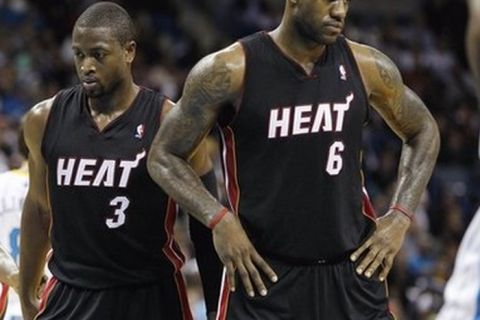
(379, 250)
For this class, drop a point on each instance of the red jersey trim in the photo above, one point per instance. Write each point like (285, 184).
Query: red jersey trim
(170, 249)
(45, 295)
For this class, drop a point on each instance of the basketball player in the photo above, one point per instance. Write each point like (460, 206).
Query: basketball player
(110, 225)
(301, 96)
(462, 292)
(13, 189)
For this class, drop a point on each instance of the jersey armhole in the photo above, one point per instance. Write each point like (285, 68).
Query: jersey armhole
(239, 100)
(237, 104)
(43, 149)
(356, 69)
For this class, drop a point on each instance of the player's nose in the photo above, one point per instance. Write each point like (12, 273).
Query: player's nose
(87, 66)
(339, 10)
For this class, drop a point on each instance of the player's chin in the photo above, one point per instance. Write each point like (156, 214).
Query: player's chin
(94, 93)
(330, 38)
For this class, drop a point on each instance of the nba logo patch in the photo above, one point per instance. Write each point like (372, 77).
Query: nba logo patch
(140, 131)
(343, 72)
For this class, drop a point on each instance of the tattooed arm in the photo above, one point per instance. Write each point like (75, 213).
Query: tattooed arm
(216, 79)
(409, 118)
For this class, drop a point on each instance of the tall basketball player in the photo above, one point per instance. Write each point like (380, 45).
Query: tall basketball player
(293, 146)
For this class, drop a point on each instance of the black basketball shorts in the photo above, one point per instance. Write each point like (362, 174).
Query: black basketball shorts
(160, 301)
(310, 292)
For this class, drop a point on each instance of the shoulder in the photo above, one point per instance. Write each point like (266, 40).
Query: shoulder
(39, 112)
(378, 71)
(221, 71)
(36, 120)
(232, 57)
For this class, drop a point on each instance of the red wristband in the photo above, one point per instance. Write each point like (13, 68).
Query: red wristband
(401, 209)
(217, 217)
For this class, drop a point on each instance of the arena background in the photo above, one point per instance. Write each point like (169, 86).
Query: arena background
(424, 37)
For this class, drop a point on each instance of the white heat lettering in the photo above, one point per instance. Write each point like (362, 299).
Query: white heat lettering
(341, 108)
(96, 173)
(325, 117)
(127, 166)
(283, 123)
(105, 174)
(64, 174)
(84, 174)
(300, 117)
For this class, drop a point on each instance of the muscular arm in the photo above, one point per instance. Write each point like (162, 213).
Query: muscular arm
(216, 79)
(213, 81)
(409, 118)
(8, 269)
(472, 40)
(34, 241)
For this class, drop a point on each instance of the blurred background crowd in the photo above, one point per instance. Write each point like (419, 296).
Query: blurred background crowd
(425, 38)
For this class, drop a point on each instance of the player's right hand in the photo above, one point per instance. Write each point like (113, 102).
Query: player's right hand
(238, 254)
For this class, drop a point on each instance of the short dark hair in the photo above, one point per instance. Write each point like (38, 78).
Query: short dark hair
(109, 15)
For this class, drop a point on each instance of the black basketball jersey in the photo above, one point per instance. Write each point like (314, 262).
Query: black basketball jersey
(112, 224)
(293, 152)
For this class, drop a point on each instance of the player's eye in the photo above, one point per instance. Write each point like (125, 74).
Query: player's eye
(99, 55)
(78, 55)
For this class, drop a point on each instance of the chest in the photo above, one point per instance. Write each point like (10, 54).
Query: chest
(82, 155)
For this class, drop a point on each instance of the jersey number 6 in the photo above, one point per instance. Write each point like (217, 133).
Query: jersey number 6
(335, 161)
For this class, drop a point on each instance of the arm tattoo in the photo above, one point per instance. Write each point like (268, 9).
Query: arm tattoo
(411, 120)
(206, 88)
(391, 101)
(209, 85)
(389, 76)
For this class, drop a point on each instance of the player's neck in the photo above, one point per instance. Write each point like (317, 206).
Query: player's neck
(116, 102)
(303, 51)
(105, 110)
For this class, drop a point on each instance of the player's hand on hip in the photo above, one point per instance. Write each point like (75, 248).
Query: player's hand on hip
(379, 250)
(238, 254)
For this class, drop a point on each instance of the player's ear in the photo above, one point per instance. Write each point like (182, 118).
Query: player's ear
(130, 49)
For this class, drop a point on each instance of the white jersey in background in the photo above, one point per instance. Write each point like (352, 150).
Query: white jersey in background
(462, 292)
(13, 189)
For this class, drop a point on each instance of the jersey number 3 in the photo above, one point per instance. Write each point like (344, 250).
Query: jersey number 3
(120, 204)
